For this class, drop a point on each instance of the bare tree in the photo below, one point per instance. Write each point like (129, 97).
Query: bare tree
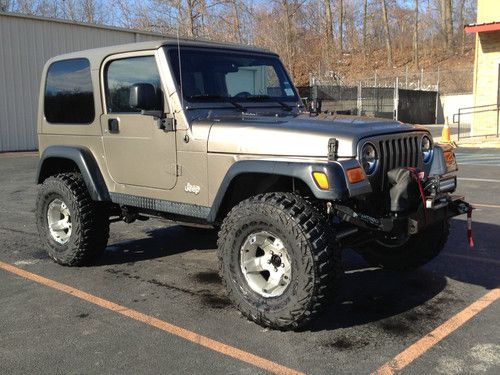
(329, 26)
(236, 17)
(5, 5)
(415, 35)
(341, 26)
(446, 23)
(365, 5)
(388, 44)
(460, 26)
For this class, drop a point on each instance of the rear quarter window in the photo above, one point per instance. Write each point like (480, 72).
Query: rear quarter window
(69, 98)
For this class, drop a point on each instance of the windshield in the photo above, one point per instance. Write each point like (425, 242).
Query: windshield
(211, 76)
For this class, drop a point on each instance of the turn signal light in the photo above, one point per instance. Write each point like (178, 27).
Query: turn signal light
(321, 180)
(355, 175)
(448, 157)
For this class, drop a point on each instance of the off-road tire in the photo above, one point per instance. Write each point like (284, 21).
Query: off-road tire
(417, 251)
(315, 259)
(90, 220)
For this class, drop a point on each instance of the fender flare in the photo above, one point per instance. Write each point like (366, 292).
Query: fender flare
(85, 162)
(339, 188)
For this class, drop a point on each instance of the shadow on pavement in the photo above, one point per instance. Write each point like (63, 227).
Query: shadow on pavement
(367, 294)
(160, 242)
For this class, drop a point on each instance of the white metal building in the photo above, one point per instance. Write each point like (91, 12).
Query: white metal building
(26, 43)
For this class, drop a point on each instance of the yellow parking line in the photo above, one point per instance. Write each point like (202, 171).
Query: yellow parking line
(196, 338)
(415, 350)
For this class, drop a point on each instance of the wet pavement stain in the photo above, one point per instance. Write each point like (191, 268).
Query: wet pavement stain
(206, 297)
(345, 343)
(215, 302)
(398, 328)
(210, 277)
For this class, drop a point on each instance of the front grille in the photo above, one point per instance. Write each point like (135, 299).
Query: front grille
(395, 151)
(399, 152)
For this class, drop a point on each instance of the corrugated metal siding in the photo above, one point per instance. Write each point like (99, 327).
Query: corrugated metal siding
(26, 43)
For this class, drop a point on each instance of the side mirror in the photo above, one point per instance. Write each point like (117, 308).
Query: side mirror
(143, 96)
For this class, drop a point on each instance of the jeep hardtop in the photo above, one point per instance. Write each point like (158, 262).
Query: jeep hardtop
(216, 135)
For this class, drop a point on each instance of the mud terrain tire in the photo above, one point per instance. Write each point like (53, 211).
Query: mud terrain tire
(89, 221)
(417, 251)
(314, 258)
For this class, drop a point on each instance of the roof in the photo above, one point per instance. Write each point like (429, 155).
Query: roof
(482, 27)
(97, 55)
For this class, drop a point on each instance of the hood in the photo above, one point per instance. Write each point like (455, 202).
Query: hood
(301, 136)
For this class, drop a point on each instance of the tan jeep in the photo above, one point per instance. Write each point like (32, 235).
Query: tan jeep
(216, 134)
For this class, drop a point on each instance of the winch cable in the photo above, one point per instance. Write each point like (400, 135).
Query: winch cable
(416, 175)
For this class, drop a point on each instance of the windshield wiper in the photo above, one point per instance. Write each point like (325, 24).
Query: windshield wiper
(263, 98)
(222, 98)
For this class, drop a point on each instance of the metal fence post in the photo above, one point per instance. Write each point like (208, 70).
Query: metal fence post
(498, 118)
(360, 100)
(436, 112)
(314, 90)
(396, 99)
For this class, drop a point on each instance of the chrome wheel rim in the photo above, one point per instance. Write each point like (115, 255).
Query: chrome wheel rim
(59, 221)
(265, 264)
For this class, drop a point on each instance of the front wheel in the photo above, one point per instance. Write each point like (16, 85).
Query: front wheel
(278, 260)
(416, 251)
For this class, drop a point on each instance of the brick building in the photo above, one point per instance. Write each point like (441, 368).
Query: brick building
(486, 100)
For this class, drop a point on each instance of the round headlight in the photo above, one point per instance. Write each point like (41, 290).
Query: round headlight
(426, 147)
(369, 158)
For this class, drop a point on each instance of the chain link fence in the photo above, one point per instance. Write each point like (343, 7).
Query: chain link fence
(409, 96)
(407, 105)
(446, 81)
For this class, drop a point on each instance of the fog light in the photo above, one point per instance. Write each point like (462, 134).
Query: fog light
(321, 180)
(355, 175)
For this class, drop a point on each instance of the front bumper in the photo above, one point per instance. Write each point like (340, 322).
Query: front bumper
(403, 224)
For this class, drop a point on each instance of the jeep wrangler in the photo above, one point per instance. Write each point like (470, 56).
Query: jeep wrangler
(216, 135)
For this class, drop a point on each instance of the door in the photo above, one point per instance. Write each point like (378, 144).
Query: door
(138, 152)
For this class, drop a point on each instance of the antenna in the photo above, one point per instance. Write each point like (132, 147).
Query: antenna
(180, 65)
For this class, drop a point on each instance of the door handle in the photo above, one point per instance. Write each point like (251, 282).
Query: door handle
(113, 125)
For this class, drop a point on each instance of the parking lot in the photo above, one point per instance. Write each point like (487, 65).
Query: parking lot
(154, 302)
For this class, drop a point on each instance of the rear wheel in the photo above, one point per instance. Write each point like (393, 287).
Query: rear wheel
(278, 260)
(416, 251)
(73, 227)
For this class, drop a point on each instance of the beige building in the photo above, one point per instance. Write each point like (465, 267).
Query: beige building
(486, 100)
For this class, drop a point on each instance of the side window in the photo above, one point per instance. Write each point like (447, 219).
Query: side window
(121, 74)
(68, 93)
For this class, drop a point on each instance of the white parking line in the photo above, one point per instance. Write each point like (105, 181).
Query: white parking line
(477, 179)
(474, 258)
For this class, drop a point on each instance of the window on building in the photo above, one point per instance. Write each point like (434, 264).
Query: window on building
(121, 74)
(68, 93)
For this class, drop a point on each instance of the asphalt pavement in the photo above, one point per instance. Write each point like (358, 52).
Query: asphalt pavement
(157, 283)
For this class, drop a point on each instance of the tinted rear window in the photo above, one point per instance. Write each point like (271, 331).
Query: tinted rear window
(68, 93)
